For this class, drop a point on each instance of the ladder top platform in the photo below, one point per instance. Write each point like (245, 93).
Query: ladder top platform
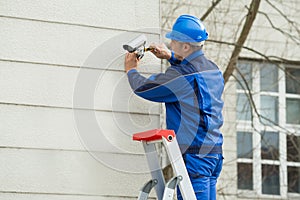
(153, 135)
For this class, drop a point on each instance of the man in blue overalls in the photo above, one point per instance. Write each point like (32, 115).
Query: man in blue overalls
(191, 89)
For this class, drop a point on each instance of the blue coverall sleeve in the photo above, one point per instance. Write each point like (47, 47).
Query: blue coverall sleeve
(158, 87)
(173, 60)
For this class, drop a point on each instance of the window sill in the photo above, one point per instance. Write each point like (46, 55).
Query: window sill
(250, 194)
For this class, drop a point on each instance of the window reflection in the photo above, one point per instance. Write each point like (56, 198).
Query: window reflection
(244, 145)
(293, 148)
(269, 109)
(270, 179)
(243, 107)
(292, 79)
(270, 145)
(269, 78)
(293, 111)
(294, 179)
(246, 71)
(245, 177)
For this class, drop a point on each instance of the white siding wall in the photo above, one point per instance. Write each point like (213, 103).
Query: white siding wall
(43, 45)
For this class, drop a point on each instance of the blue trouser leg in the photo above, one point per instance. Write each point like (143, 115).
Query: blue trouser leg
(204, 172)
(213, 189)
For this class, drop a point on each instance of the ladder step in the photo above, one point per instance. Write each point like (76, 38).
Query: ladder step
(146, 189)
(153, 135)
(165, 192)
(170, 188)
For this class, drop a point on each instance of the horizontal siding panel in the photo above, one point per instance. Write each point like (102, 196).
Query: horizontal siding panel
(25, 83)
(18, 196)
(88, 12)
(48, 149)
(49, 43)
(68, 172)
(286, 50)
(230, 143)
(61, 44)
(52, 128)
(220, 54)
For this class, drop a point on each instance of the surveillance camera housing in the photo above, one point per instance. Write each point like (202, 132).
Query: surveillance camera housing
(136, 45)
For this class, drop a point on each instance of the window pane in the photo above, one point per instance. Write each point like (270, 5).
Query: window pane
(269, 78)
(293, 148)
(270, 179)
(269, 109)
(244, 145)
(270, 145)
(293, 111)
(245, 177)
(292, 77)
(243, 107)
(246, 71)
(294, 179)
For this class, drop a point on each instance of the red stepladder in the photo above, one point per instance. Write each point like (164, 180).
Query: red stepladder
(164, 191)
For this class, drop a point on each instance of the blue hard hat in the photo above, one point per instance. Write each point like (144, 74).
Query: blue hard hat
(188, 28)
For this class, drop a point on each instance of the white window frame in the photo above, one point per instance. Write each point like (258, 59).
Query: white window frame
(256, 161)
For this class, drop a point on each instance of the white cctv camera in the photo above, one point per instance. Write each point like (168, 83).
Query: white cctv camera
(136, 45)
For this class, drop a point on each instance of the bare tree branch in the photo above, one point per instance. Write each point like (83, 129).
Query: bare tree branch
(294, 24)
(239, 38)
(243, 36)
(179, 5)
(210, 9)
(294, 38)
(238, 28)
(261, 117)
(170, 14)
(268, 58)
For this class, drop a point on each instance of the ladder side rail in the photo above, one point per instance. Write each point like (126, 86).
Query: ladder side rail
(179, 168)
(155, 168)
(143, 196)
(146, 189)
(170, 188)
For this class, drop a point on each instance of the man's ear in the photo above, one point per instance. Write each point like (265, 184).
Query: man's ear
(186, 47)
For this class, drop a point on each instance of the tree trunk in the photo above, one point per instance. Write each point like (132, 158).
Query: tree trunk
(214, 4)
(243, 36)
